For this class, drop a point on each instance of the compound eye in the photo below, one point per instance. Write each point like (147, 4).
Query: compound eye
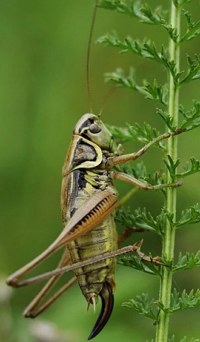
(94, 128)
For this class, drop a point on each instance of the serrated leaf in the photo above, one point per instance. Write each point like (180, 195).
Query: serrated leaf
(143, 305)
(193, 72)
(143, 133)
(172, 31)
(135, 9)
(168, 120)
(191, 117)
(189, 216)
(121, 134)
(193, 166)
(136, 263)
(193, 28)
(156, 92)
(172, 166)
(187, 261)
(184, 300)
(119, 6)
(145, 49)
(141, 218)
(149, 91)
(149, 16)
(119, 78)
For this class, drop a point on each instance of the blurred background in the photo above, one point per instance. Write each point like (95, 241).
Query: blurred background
(43, 48)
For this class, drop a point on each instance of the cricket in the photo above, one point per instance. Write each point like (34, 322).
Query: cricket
(89, 238)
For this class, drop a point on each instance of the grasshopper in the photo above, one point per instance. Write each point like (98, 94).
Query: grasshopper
(88, 202)
(89, 237)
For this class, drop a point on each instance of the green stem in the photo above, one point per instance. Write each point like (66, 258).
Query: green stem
(171, 193)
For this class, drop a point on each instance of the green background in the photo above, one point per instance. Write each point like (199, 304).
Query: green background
(43, 93)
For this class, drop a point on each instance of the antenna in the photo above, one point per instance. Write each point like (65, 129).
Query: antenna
(89, 55)
(107, 97)
(88, 78)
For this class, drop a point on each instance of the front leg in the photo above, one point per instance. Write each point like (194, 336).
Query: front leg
(121, 159)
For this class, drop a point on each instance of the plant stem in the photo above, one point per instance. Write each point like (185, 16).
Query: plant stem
(171, 193)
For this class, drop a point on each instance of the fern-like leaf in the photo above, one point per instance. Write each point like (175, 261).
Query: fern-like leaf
(193, 166)
(141, 218)
(187, 261)
(149, 91)
(144, 305)
(189, 216)
(135, 9)
(191, 118)
(193, 28)
(184, 300)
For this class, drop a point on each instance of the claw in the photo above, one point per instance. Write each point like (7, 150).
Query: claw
(107, 299)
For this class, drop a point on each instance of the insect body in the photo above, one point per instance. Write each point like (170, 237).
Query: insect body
(84, 175)
(89, 238)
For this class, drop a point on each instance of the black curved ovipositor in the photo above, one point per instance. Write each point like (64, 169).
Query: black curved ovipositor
(107, 300)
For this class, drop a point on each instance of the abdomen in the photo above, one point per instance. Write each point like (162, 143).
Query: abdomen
(100, 240)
